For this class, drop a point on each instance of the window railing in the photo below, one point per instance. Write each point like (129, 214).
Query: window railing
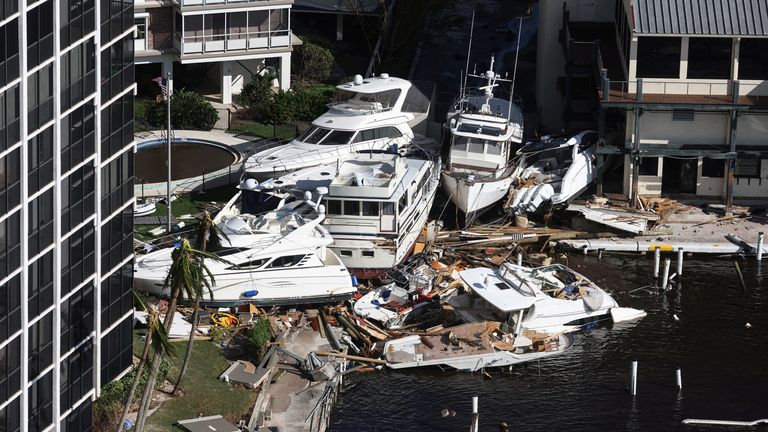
(242, 41)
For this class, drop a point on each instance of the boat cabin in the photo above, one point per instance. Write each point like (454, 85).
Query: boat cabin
(366, 96)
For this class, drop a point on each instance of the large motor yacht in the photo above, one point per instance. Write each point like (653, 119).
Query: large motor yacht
(375, 114)
(485, 132)
(280, 257)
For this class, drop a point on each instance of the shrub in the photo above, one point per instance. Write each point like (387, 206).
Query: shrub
(280, 109)
(311, 62)
(256, 95)
(189, 110)
(310, 102)
(259, 337)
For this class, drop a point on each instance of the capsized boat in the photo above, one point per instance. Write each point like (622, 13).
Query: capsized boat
(472, 347)
(377, 205)
(375, 114)
(485, 132)
(555, 170)
(550, 299)
(281, 257)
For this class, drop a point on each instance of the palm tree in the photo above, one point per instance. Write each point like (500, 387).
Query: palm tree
(207, 238)
(188, 276)
(156, 338)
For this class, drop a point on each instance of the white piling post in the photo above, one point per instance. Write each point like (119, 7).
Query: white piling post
(679, 262)
(656, 261)
(586, 251)
(633, 379)
(600, 254)
(520, 258)
(760, 240)
(475, 416)
(679, 379)
(665, 279)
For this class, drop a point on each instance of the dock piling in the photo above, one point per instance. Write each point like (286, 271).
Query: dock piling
(679, 262)
(520, 258)
(656, 261)
(760, 240)
(741, 277)
(665, 279)
(633, 379)
(600, 254)
(475, 415)
(679, 379)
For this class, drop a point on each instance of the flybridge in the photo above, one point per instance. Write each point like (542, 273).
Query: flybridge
(480, 129)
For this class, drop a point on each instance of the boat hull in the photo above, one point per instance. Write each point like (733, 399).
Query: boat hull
(473, 198)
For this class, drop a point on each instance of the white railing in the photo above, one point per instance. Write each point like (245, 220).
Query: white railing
(218, 2)
(224, 42)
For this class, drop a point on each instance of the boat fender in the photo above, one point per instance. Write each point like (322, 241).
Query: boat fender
(354, 280)
(251, 293)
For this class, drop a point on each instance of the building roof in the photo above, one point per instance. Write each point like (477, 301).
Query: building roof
(701, 17)
(207, 424)
(338, 6)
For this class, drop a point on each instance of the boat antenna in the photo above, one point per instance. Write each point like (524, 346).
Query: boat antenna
(514, 71)
(469, 52)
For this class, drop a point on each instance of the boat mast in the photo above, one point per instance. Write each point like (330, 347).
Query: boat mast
(469, 52)
(514, 72)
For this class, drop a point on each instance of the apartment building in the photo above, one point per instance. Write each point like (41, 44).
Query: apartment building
(682, 85)
(66, 185)
(213, 46)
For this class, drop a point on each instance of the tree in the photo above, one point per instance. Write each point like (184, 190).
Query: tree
(157, 338)
(280, 109)
(188, 276)
(256, 95)
(310, 102)
(311, 63)
(189, 110)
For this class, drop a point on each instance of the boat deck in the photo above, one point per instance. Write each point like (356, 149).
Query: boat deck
(463, 340)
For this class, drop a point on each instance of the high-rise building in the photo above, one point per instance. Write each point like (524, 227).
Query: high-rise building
(66, 192)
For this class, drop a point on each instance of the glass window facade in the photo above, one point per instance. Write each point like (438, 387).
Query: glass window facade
(116, 240)
(77, 19)
(10, 370)
(40, 400)
(78, 259)
(9, 117)
(77, 318)
(116, 297)
(76, 376)
(116, 126)
(78, 74)
(40, 160)
(10, 308)
(117, 183)
(39, 34)
(10, 245)
(117, 68)
(40, 348)
(77, 197)
(10, 182)
(40, 98)
(116, 18)
(116, 354)
(9, 52)
(78, 136)
(79, 420)
(40, 285)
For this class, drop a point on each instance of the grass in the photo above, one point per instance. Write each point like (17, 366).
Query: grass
(262, 130)
(203, 392)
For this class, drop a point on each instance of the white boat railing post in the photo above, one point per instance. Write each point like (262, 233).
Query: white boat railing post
(665, 279)
(656, 261)
(633, 379)
(760, 241)
(679, 262)
(475, 416)
(679, 379)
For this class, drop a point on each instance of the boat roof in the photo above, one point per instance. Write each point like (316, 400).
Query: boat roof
(376, 84)
(491, 287)
(493, 125)
(549, 143)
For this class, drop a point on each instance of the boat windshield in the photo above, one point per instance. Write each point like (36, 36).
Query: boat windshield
(381, 100)
(323, 136)
(478, 146)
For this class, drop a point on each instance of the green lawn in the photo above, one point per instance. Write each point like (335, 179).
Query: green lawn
(203, 392)
(261, 130)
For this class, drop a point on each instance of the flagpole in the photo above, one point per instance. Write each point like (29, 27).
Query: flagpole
(168, 109)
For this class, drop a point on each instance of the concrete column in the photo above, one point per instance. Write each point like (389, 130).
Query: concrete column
(285, 71)
(730, 166)
(684, 58)
(339, 27)
(168, 68)
(633, 58)
(636, 160)
(735, 58)
(226, 82)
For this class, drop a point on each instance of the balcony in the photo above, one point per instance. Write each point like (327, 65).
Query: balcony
(222, 33)
(191, 3)
(242, 41)
(682, 92)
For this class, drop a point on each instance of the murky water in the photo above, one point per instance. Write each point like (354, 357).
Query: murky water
(724, 366)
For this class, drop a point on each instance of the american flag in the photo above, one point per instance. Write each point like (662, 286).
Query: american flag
(160, 81)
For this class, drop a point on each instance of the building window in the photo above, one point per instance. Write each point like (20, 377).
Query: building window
(713, 168)
(76, 376)
(116, 240)
(116, 297)
(10, 181)
(748, 168)
(8, 8)
(10, 245)
(709, 58)
(10, 309)
(141, 27)
(78, 74)
(10, 370)
(10, 416)
(41, 403)
(40, 234)
(116, 350)
(40, 160)
(78, 259)
(116, 126)
(116, 18)
(40, 285)
(117, 72)
(117, 183)
(9, 51)
(77, 197)
(40, 345)
(753, 59)
(658, 57)
(40, 98)
(9, 117)
(78, 136)
(39, 34)
(649, 166)
(77, 318)
(79, 419)
(78, 18)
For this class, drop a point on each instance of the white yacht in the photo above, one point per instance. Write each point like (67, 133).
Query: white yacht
(555, 170)
(375, 114)
(281, 257)
(548, 300)
(485, 132)
(377, 205)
